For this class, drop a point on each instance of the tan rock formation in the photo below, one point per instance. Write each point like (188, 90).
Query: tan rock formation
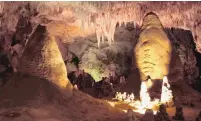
(153, 50)
(42, 58)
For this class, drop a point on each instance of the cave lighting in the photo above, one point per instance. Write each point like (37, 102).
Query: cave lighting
(166, 95)
(144, 96)
(145, 102)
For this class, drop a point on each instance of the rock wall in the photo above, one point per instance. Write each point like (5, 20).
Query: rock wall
(182, 41)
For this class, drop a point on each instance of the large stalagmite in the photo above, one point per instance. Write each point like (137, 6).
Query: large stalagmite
(42, 76)
(42, 58)
(166, 93)
(153, 50)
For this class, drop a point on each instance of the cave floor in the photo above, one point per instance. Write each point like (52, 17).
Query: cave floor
(190, 113)
(81, 108)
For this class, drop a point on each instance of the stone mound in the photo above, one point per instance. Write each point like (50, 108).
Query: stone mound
(24, 89)
(43, 58)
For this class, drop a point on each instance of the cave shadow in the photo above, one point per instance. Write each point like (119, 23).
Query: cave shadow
(133, 81)
(189, 45)
(86, 80)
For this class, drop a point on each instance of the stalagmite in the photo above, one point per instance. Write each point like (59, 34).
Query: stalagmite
(41, 77)
(128, 98)
(166, 93)
(103, 38)
(42, 58)
(144, 96)
(149, 83)
(153, 50)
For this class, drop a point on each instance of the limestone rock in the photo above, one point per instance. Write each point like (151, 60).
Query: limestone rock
(42, 58)
(153, 50)
(184, 47)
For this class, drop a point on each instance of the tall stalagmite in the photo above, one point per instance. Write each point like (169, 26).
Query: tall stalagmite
(153, 50)
(42, 58)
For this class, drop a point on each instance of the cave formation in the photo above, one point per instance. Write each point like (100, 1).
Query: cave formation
(153, 44)
(39, 40)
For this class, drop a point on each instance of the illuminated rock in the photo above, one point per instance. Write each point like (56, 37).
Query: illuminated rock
(144, 96)
(42, 58)
(125, 97)
(132, 97)
(166, 94)
(149, 83)
(153, 50)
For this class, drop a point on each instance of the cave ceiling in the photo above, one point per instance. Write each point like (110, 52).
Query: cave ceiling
(69, 20)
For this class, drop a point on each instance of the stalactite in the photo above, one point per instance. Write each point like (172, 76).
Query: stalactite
(113, 29)
(1, 6)
(108, 19)
(88, 22)
(98, 37)
(82, 25)
(103, 38)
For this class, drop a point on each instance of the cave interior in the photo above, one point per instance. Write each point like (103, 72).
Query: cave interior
(56, 56)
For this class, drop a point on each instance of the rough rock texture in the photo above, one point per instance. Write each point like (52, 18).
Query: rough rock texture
(176, 69)
(42, 58)
(25, 89)
(184, 46)
(153, 50)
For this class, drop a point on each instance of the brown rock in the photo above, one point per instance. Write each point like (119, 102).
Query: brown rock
(42, 58)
